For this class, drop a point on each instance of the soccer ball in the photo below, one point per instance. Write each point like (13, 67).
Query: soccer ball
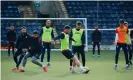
(86, 68)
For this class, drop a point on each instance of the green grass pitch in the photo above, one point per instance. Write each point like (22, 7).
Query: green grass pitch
(101, 68)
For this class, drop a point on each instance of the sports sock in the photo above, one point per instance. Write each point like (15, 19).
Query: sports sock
(42, 63)
(127, 65)
(82, 68)
(22, 68)
(73, 68)
(43, 66)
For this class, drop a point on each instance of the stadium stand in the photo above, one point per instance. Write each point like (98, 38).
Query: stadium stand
(12, 9)
(104, 13)
(9, 10)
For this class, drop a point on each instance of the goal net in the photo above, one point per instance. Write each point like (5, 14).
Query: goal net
(108, 35)
(37, 23)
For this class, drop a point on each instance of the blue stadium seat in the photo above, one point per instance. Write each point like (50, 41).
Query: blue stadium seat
(9, 10)
(108, 13)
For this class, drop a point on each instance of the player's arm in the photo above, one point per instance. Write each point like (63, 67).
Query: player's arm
(71, 34)
(100, 35)
(127, 30)
(15, 36)
(18, 41)
(128, 37)
(116, 36)
(128, 40)
(92, 37)
(70, 38)
(131, 34)
(41, 32)
(83, 38)
(61, 36)
(7, 36)
(30, 40)
(52, 34)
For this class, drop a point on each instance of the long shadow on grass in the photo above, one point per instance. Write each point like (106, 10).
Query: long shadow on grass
(67, 74)
(28, 73)
(123, 71)
(70, 74)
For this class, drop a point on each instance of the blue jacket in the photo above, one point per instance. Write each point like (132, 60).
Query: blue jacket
(23, 41)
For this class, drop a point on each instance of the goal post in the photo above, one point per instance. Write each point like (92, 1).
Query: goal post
(65, 21)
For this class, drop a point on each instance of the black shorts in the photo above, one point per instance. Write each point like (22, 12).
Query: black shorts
(68, 54)
(47, 45)
(77, 49)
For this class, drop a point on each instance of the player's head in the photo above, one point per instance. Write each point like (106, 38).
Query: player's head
(23, 29)
(121, 21)
(96, 26)
(11, 27)
(48, 23)
(126, 24)
(67, 29)
(35, 33)
(78, 25)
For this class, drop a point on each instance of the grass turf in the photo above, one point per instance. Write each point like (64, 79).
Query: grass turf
(101, 68)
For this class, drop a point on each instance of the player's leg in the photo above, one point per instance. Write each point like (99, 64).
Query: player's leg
(20, 59)
(69, 55)
(124, 47)
(98, 47)
(34, 60)
(13, 46)
(74, 50)
(118, 47)
(93, 50)
(73, 67)
(9, 46)
(78, 52)
(130, 54)
(77, 62)
(82, 52)
(24, 61)
(43, 53)
(48, 53)
(17, 53)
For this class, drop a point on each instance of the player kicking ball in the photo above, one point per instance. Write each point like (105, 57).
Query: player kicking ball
(64, 38)
(34, 52)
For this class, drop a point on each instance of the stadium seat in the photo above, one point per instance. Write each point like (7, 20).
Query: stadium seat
(108, 13)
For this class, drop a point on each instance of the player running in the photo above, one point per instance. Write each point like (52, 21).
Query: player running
(47, 35)
(64, 38)
(34, 52)
(22, 46)
(78, 34)
(129, 46)
(121, 33)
